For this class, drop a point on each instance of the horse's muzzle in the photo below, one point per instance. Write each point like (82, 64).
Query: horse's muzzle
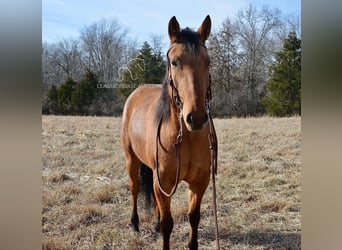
(195, 122)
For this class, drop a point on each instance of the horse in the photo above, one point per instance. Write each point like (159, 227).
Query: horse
(165, 130)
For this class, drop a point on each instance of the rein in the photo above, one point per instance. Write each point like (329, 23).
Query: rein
(176, 144)
(212, 144)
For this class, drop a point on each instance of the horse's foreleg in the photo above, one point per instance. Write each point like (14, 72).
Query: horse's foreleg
(196, 192)
(166, 221)
(133, 173)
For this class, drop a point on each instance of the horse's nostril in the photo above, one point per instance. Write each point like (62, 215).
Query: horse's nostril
(189, 119)
(196, 124)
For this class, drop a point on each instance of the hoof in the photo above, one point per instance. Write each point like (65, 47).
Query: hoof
(193, 246)
(135, 224)
(135, 228)
(157, 227)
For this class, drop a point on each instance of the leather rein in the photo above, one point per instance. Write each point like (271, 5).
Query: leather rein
(176, 145)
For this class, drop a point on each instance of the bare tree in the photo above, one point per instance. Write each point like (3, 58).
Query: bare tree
(158, 43)
(68, 57)
(224, 65)
(104, 44)
(48, 71)
(241, 51)
(293, 24)
(103, 48)
(60, 61)
(255, 30)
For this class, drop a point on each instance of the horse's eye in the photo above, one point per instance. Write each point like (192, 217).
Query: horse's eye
(175, 63)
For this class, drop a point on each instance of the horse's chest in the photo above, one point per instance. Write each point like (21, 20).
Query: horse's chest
(196, 151)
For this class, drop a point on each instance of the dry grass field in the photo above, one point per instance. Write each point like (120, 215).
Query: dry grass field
(86, 200)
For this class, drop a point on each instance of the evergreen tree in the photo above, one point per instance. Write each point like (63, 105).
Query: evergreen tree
(284, 86)
(64, 93)
(53, 99)
(148, 67)
(84, 93)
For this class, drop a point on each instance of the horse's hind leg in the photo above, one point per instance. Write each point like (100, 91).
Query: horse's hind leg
(132, 165)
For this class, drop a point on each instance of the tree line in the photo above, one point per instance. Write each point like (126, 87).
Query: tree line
(255, 66)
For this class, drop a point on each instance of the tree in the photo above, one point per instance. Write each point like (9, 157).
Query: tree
(64, 94)
(284, 87)
(53, 100)
(60, 61)
(157, 43)
(68, 58)
(241, 51)
(255, 29)
(84, 93)
(51, 73)
(103, 43)
(147, 67)
(107, 50)
(224, 67)
(103, 48)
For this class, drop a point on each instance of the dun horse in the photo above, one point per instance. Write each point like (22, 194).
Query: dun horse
(166, 128)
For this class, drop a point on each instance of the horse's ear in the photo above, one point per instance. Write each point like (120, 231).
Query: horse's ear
(204, 29)
(174, 29)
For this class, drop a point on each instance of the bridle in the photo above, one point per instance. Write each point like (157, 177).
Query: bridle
(176, 145)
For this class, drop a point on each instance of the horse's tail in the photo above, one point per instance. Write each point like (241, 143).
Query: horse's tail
(146, 184)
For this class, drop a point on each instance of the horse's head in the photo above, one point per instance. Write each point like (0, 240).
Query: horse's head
(189, 70)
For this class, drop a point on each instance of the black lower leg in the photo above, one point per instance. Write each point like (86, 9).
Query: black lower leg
(135, 217)
(157, 226)
(135, 223)
(166, 226)
(194, 219)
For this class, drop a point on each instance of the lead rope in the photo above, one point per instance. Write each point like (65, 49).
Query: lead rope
(213, 159)
(213, 153)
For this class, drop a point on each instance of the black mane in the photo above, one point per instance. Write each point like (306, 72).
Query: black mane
(191, 39)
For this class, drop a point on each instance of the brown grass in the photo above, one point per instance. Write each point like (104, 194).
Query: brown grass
(86, 200)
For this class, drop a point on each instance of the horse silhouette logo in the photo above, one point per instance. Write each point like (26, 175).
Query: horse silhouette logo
(136, 63)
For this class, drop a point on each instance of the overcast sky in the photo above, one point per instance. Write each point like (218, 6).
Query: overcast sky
(64, 18)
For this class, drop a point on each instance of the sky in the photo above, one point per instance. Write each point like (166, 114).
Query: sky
(63, 19)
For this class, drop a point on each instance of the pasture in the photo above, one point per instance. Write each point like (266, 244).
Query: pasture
(87, 202)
